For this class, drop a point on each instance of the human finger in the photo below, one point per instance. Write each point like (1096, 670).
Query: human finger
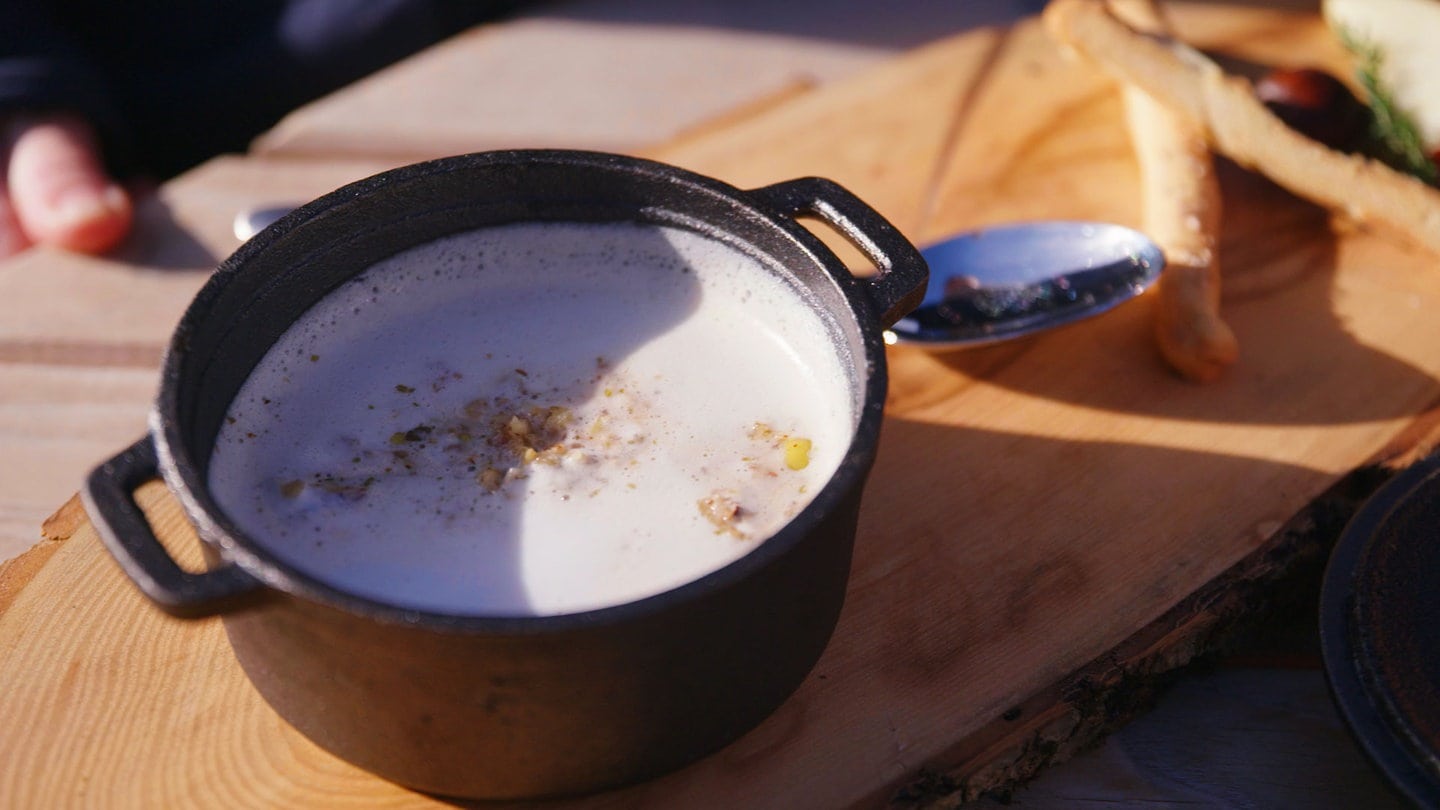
(60, 192)
(12, 236)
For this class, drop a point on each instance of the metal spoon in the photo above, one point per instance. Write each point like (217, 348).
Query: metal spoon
(1008, 281)
(994, 284)
(254, 220)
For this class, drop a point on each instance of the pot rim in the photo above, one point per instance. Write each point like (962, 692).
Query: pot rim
(182, 474)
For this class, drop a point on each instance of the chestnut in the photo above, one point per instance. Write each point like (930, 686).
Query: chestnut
(1315, 104)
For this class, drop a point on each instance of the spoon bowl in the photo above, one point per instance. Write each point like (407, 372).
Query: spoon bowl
(1009, 281)
(995, 284)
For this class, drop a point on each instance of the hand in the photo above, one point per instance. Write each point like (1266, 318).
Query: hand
(55, 190)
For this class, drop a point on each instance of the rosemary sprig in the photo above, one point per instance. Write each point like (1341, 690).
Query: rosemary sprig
(1395, 139)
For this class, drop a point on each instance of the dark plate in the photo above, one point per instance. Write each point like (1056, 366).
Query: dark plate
(1380, 629)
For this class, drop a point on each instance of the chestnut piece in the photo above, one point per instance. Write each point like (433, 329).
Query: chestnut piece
(1315, 104)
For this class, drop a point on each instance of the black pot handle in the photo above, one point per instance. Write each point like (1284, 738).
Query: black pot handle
(900, 284)
(109, 496)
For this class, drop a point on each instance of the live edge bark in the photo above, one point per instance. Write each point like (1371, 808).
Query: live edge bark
(1280, 578)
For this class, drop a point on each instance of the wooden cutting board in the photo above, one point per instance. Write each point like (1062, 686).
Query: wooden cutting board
(1050, 525)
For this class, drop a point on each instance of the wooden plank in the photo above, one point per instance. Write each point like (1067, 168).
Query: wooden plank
(81, 337)
(57, 421)
(132, 298)
(620, 77)
(1050, 523)
(885, 135)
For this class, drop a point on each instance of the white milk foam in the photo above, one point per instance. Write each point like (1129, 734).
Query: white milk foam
(536, 419)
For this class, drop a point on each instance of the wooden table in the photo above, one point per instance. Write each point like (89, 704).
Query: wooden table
(1053, 525)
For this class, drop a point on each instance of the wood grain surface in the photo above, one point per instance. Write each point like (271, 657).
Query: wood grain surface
(81, 337)
(1047, 521)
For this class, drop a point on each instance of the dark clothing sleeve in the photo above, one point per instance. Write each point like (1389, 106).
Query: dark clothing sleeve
(169, 84)
(42, 67)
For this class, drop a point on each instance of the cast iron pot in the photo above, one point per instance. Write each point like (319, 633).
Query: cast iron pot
(480, 706)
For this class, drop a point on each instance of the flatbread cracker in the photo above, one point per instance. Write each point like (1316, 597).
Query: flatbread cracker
(1182, 207)
(1239, 126)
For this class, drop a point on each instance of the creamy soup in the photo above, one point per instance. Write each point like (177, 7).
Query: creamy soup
(536, 419)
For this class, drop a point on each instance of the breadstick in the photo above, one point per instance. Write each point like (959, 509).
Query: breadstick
(1181, 204)
(1238, 125)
